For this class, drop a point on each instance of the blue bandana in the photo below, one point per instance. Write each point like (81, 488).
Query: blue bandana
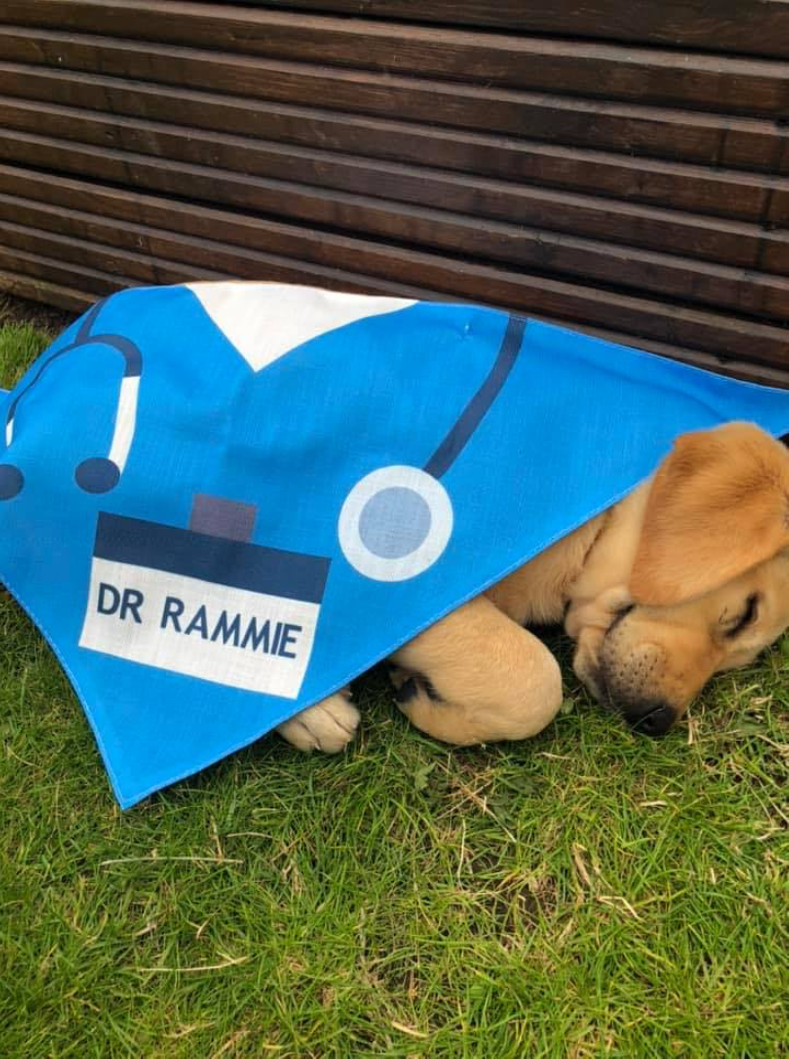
(222, 502)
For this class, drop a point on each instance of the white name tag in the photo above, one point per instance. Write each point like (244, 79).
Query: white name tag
(248, 634)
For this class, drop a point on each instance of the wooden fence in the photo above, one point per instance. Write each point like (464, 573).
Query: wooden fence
(620, 166)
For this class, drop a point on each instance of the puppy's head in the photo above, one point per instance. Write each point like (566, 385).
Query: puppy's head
(708, 588)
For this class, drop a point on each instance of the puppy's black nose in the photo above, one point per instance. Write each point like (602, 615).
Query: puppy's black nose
(650, 718)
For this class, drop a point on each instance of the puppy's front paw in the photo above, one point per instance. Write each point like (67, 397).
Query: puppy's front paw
(328, 726)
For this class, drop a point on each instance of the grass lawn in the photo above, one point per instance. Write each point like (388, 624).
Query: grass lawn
(589, 893)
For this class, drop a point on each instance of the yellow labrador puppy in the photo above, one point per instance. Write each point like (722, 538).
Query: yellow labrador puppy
(688, 576)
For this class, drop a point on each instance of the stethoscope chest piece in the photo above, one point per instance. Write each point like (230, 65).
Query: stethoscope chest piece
(395, 523)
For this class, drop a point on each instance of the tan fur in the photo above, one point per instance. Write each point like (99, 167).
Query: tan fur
(485, 668)
(716, 488)
(686, 551)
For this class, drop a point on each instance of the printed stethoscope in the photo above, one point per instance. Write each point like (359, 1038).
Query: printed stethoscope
(98, 474)
(397, 521)
(394, 523)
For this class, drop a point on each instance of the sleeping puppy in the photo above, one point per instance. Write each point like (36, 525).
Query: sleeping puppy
(686, 577)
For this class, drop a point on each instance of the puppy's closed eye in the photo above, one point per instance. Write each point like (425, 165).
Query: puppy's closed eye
(747, 617)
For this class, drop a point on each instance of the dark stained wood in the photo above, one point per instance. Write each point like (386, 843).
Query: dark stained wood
(52, 270)
(741, 369)
(39, 290)
(752, 196)
(103, 37)
(758, 27)
(621, 168)
(706, 238)
(129, 268)
(715, 192)
(100, 263)
(755, 294)
(659, 132)
(246, 229)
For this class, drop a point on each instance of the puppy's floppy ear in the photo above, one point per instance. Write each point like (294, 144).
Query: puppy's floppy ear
(718, 505)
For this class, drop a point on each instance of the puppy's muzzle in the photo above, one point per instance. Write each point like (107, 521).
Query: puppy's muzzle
(626, 672)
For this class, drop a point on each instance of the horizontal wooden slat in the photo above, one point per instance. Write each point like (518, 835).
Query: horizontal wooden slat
(17, 243)
(648, 75)
(757, 198)
(188, 258)
(433, 273)
(756, 294)
(742, 369)
(730, 242)
(716, 192)
(659, 132)
(39, 290)
(758, 27)
(93, 281)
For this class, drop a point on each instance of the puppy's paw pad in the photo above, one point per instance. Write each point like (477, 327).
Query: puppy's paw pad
(328, 726)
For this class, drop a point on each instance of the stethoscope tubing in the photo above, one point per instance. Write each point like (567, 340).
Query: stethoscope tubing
(472, 415)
